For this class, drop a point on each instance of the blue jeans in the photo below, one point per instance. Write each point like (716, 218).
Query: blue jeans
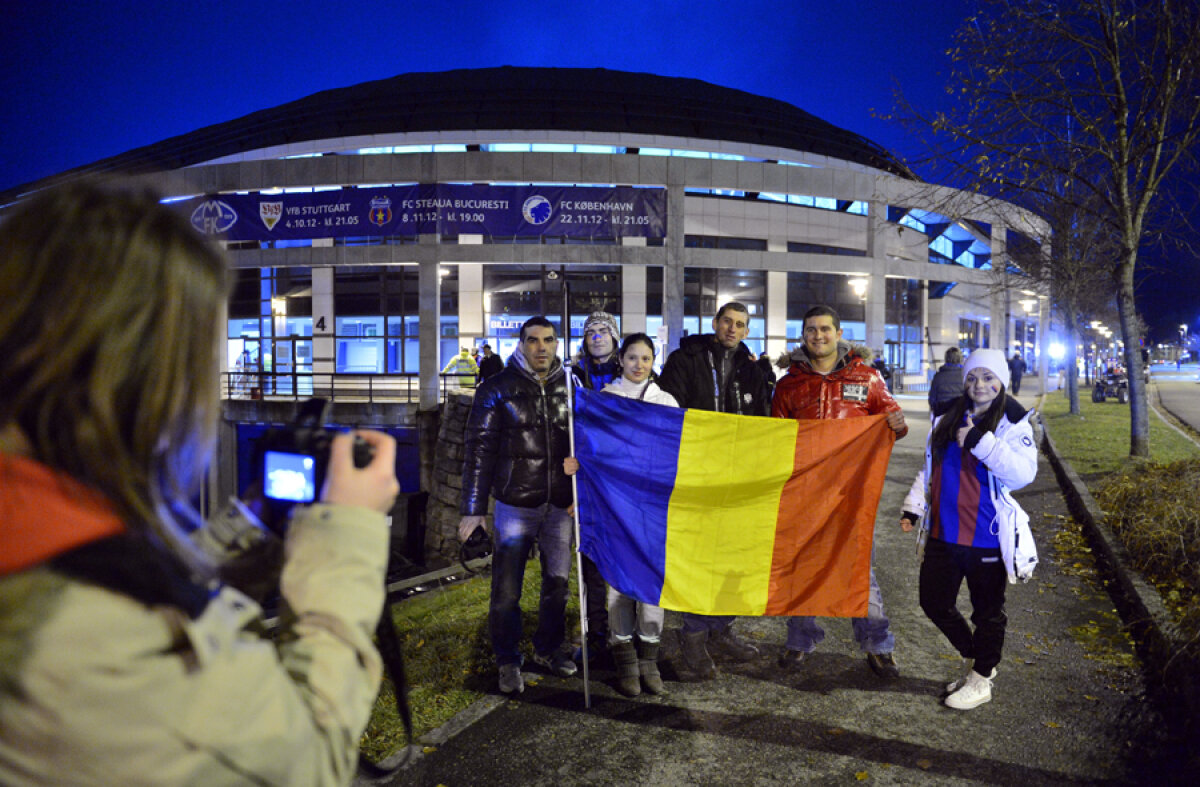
(517, 529)
(872, 633)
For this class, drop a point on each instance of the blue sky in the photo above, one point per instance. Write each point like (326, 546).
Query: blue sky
(89, 80)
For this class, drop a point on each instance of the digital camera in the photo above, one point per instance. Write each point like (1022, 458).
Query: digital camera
(294, 458)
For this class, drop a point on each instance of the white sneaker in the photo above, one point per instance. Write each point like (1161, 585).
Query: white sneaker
(975, 691)
(968, 664)
(511, 681)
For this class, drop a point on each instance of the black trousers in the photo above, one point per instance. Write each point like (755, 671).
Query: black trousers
(597, 601)
(942, 571)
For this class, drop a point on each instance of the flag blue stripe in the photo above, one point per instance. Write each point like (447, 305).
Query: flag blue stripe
(628, 453)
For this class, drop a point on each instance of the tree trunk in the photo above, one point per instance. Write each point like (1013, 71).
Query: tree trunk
(1139, 421)
(1071, 370)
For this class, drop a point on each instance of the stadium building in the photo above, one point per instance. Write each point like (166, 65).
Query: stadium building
(378, 228)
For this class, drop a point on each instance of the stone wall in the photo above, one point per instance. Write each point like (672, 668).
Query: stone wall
(445, 490)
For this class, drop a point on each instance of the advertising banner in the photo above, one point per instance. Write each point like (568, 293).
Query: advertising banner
(447, 209)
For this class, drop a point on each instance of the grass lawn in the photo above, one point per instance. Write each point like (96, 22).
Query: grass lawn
(447, 655)
(1151, 506)
(1096, 442)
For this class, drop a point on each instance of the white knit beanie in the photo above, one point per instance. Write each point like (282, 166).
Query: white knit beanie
(992, 360)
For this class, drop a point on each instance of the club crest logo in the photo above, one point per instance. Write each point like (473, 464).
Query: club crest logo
(381, 211)
(270, 213)
(213, 217)
(537, 209)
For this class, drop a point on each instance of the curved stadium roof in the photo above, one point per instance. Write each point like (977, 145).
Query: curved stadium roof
(509, 97)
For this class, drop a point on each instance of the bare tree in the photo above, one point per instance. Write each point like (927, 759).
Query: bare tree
(1070, 263)
(1091, 102)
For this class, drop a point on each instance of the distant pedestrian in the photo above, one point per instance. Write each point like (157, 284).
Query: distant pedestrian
(976, 454)
(637, 663)
(881, 366)
(947, 384)
(462, 369)
(1016, 368)
(489, 363)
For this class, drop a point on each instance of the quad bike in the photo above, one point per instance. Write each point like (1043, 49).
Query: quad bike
(1113, 385)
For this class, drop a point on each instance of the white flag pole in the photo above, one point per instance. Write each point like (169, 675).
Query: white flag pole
(583, 629)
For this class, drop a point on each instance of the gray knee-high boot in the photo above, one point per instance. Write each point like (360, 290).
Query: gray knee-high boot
(626, 659)
(648, 666)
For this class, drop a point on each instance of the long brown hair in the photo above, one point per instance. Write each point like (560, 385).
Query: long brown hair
(108, 348)
(946, 430)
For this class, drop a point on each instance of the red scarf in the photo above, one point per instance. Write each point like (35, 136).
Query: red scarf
(44, 513)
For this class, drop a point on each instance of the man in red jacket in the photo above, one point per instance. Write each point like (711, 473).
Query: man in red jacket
(830, 379)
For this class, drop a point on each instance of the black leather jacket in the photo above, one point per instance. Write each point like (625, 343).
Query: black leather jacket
(516, 441)
(688, 375)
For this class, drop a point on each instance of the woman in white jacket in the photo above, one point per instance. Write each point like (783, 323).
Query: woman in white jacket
(636, 665)
(977, 452)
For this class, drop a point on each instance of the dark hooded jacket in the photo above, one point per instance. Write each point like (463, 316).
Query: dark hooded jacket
(516, 440)
(593, 374)
(947, 385)
(852, 389)
(691, 375)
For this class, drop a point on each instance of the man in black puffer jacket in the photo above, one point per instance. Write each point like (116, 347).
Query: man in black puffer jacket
(516, 442)
(715, 371)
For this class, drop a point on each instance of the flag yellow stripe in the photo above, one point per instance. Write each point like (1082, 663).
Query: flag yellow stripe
(724, 510)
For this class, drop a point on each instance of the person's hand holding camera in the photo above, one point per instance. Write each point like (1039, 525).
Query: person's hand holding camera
(373, 486)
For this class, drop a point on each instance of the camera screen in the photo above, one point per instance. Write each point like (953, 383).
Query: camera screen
(290, 477)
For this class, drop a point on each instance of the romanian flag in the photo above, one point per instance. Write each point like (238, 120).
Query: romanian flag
(723, 514)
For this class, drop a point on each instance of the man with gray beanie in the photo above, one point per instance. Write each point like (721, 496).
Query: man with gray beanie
(595, 366)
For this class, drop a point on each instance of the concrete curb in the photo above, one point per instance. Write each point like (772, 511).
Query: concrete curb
(1141, 606)
(408, 755)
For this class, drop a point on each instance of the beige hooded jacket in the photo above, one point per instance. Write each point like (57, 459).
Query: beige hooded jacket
(97, 688)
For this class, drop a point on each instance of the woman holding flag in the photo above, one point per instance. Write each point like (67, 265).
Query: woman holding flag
(980, 450)
(636, 665)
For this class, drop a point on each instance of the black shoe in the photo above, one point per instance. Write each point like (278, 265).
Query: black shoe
(558, 663)
(724, 644)
(790, 659)
(599, 655)
(696, 659)
(883, 665)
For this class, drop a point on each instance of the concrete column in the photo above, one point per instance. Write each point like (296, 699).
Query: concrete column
(429, 300)
(1002, 328)
(674, 263)
(633, 299)
(470, 303)
(876, 311)
(776, 329)
(999, 320)
(324, 319)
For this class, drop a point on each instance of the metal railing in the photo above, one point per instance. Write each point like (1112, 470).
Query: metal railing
(341, 386)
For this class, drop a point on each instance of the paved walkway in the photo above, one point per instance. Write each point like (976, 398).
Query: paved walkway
(1063, 712)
